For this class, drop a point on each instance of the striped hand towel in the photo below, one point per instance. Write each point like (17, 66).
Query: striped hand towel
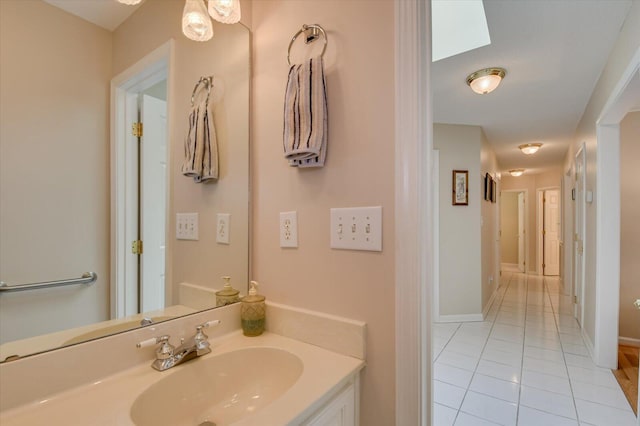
(305, 115)
(201, 145)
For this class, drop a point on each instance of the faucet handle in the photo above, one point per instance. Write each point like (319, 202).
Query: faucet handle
(163, 352)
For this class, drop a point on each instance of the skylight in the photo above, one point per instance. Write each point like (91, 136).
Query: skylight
(457, 26)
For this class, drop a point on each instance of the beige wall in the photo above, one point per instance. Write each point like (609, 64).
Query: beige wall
(54, 169)
(629, 225)
(225, 56)
(460, 230)
(625, 47)
(532, 183)
(490, 240)
(509, 227)
(359, 172)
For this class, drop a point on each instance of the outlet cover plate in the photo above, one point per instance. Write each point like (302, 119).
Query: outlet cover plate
(289, 229)
(357, 228)
(223, 226)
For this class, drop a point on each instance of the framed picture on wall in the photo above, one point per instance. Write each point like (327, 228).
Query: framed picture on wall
(489, 187)
(460, 188)
(487, 183)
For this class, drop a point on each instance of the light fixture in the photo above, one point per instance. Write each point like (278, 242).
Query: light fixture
(196, 24)
(225, 11)
(530, 148)
(486, 80)
(129, 2)
(516, 172)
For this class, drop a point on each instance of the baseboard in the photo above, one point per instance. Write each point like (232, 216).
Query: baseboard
(487, 307)
(460, 318)
(629, 341)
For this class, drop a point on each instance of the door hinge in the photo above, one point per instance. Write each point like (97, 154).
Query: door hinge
(136, 247)
(544, 266)
(575, 299)
(136, 130)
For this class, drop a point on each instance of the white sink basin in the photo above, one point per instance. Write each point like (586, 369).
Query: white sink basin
(218, 390)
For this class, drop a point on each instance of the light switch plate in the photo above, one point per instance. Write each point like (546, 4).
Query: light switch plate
(187, 226)
(223, 225)
(358, 228)
(289, 229)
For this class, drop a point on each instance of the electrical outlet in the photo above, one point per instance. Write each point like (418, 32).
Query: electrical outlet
(358, 228)
(223, 225)
(289, 229)
(187, 226)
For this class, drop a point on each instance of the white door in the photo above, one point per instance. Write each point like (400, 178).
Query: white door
(521, 233)
(578, 244)
(153, 177)
(551, 233)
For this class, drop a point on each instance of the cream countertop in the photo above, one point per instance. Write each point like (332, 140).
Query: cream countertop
(108, 401)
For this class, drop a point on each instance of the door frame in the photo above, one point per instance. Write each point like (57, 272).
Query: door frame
(540, 225)
(149, 70)
(607, 245)
(582, 152)
(526, 224)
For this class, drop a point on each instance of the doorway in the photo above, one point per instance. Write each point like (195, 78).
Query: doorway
(140, 184)
(579, 231)
(549, 231)
(513, 225)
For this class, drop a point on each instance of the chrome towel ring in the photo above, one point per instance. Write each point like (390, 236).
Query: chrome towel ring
(311, 33)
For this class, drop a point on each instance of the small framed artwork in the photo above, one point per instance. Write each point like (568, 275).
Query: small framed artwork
(487, 182)
(490, 188)
(460, 188)
(494, 191)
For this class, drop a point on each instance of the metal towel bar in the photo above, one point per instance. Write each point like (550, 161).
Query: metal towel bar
(86, 278)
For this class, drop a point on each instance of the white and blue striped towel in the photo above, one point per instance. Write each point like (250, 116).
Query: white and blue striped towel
(305, 115)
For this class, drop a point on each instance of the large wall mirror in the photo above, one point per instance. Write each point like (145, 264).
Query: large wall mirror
(77, 187)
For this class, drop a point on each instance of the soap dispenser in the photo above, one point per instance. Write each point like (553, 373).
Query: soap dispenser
(228, 294)
(252, 312)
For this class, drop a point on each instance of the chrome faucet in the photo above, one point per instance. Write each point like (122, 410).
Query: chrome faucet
(168, 356)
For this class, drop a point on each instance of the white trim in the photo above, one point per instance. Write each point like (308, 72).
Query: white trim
(487, 307)
(629, 341)
(514, 266)
(435, 173)
(607, 200)
(146, 72)
(588, 343)
(413, 212)
(461, 318)
(581, 153)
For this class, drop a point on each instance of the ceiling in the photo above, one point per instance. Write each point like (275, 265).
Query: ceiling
(554, 52)
(108, 14)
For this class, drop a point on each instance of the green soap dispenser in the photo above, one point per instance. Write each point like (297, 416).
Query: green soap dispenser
(228, 294)
(252, 312)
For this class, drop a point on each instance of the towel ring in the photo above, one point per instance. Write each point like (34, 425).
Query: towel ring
(312, 33)
(208, 84)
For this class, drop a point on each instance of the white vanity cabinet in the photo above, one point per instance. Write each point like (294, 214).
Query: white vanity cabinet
(342, 409)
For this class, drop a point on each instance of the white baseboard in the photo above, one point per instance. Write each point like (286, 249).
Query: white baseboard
(629, 341)
(460, 318)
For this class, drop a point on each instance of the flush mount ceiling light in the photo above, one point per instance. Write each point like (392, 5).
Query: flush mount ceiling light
(530, 148)
(516, 172)
(129, 2)
(486, 80)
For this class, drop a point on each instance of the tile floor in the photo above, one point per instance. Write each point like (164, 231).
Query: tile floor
(526, 364)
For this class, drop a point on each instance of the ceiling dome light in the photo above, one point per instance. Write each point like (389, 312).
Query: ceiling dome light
(129, 2)
(530, 148)
(196, 24)
(516, 172)
(486, 80)
(225, 11)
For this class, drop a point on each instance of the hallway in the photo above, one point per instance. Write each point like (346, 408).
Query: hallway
(526, 364)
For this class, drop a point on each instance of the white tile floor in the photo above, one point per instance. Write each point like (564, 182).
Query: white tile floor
(525, 365)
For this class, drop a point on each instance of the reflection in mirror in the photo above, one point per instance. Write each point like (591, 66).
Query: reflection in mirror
(70, 198)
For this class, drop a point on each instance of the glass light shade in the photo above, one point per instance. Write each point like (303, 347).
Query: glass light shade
(196, 24)
(129, 2)
(486, 80)
(516, 172)
(530, 148)
(225, 11)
